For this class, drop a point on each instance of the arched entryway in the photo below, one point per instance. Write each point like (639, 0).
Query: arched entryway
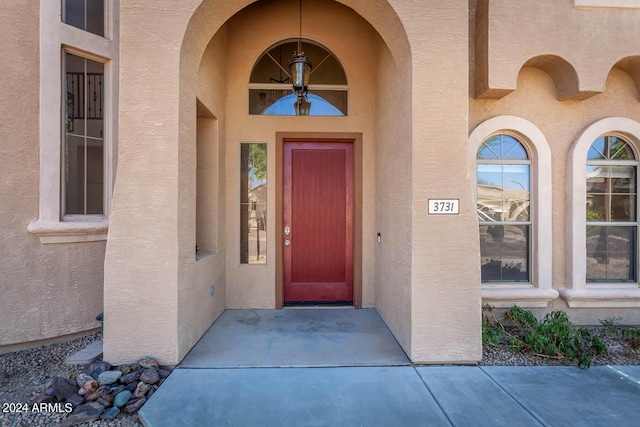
(224, 87)
(174, 231)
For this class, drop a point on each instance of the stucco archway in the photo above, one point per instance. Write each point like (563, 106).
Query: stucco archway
(189, 61)
(372, 68)
(181, 85)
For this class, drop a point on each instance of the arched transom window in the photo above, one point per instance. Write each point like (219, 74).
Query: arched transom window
(270, 91)
(612, 227)
(504, 214)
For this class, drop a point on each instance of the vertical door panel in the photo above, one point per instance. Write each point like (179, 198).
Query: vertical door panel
(318, 209)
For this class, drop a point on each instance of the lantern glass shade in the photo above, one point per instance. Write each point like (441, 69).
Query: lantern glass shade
(300, 68)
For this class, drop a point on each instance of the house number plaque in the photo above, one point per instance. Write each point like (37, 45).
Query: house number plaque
(444, 206)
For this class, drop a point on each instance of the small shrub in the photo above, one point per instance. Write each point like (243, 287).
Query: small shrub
(491, 332)
(632, 336)
(515, 345)
(611, 326)
(628, 334)
(553, 336)
(598, 346)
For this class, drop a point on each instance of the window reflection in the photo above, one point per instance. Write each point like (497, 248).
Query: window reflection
(88, 15)
(502, 147)
(83, 143)
(253, 203)
(504, 251)
(503, 191)
(611, 253)
(270, 91)
(503, 209)
(319, 106)
(611, 211)
(611, 193)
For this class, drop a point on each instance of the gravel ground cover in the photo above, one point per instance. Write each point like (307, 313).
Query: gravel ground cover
(25, 375)
(620, 352)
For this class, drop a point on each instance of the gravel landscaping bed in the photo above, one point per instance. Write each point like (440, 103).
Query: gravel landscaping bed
(620, 352)
(26, 374)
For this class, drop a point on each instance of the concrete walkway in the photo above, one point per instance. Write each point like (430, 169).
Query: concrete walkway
(338, 390)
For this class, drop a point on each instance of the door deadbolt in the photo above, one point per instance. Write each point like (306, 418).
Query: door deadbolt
(287, 242)
(287, 230)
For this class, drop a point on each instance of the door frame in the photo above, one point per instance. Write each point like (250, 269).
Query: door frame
(356, 140)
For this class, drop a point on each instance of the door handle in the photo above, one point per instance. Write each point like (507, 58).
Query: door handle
(287, 231)
(287, 242)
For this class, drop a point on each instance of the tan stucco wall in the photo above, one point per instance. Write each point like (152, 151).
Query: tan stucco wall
(577, 46)
(445, 264)
(144, 218)
(197, 308)
(47, 290)
(393, 193)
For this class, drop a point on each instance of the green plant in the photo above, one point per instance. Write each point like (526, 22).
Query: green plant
(491, 328)
(611, 326)
(628, 334)
(598, 346)
(632, 336)
(515, 345)
(554, 336)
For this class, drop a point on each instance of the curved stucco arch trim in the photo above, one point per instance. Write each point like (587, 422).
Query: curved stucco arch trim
(540, 292)
(210, 16)
(578, 293)
(631, 66)
(564, 75)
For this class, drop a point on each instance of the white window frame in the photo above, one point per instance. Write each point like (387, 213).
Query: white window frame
(539, 292)
(579, 292)
(56, 37)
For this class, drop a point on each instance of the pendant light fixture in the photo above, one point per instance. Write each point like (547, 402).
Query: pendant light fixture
(300, 68)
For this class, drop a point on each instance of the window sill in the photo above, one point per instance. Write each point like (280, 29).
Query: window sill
(69, 232)
(602, 297)
(607, 4)
(202, 255)
(503, 297)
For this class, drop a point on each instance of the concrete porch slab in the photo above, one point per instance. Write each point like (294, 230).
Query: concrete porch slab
(296, 338)
(360, 396)
(563, 396)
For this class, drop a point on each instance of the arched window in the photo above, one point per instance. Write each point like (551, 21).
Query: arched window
(511, 160)
(503, 209)
(270, 91)
(602, 208)
(612, 227)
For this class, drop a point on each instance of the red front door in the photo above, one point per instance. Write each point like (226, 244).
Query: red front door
(318, 222)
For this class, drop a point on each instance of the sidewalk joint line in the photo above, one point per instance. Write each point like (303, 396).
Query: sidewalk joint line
(434, 397)
(535, 417)
(629, 377)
